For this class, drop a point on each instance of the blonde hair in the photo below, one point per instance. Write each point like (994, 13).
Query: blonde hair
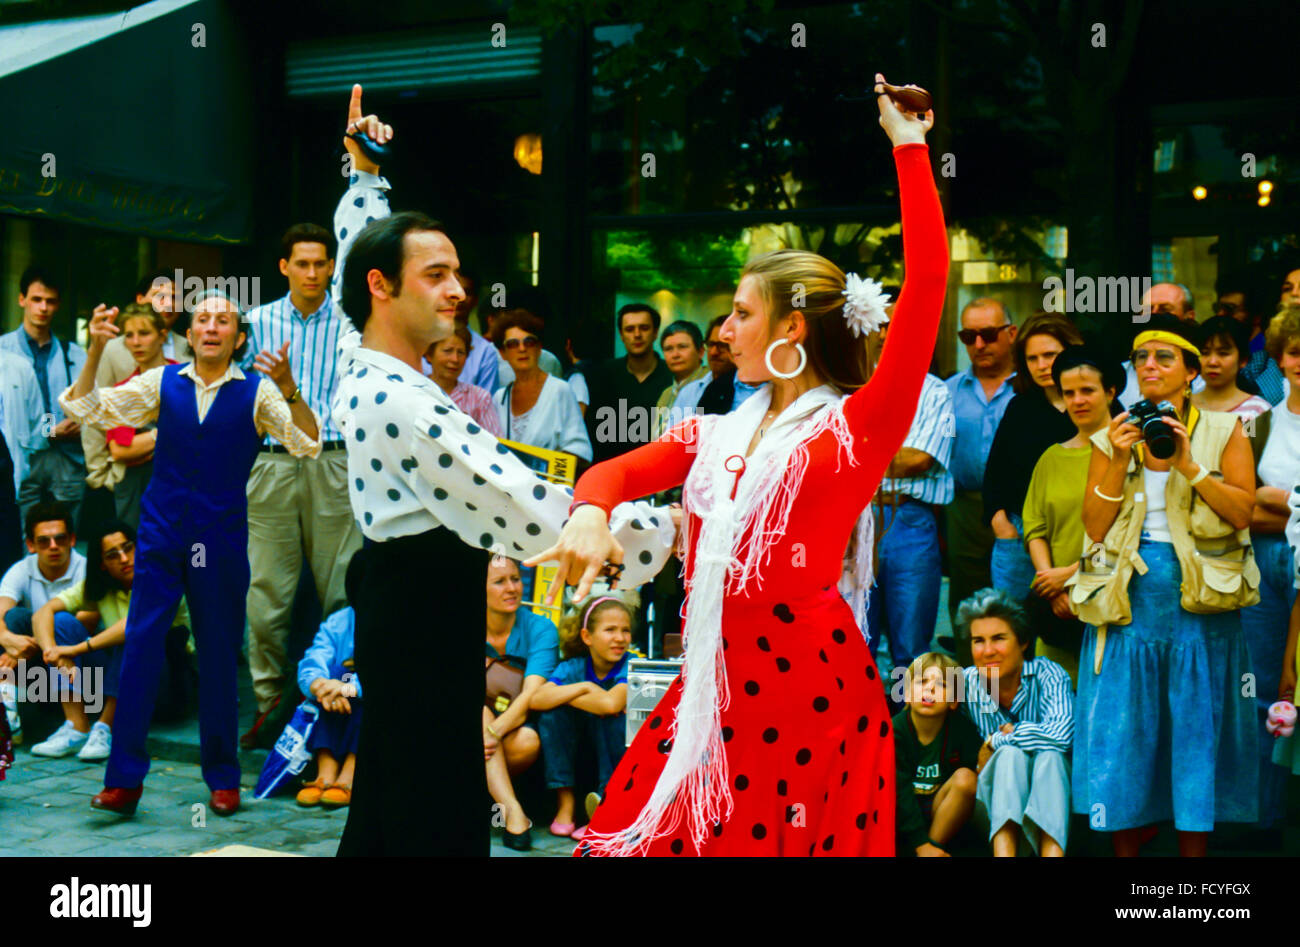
(798, 279)
(141, 311)
(918, 667)
(571, 643)
(1282, 328)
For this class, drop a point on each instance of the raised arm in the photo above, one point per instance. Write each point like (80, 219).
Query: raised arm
(915, 323)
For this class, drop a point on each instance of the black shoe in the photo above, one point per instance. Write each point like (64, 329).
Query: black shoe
(522, 842)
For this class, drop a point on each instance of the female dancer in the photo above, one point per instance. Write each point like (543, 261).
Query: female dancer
(776, 740)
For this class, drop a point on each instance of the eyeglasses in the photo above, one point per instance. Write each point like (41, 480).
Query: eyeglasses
(120, 552)
(968, 336)
(528, 342)
(719, 346)
(1164, 358)
(1225, 309)
(58, 539)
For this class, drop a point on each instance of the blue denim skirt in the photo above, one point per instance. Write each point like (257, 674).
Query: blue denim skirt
(1164, 732)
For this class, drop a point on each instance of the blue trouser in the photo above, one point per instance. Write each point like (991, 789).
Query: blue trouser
(905, 598)
(210, 568)
(68, 630)
(564, 729)
(1010, 566)
(1265, 627)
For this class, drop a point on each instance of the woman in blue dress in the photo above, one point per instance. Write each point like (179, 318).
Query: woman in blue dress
(1163, 730)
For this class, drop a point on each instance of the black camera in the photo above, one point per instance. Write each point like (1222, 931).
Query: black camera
(1159, 436)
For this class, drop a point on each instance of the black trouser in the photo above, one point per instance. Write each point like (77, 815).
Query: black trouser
(421, 783)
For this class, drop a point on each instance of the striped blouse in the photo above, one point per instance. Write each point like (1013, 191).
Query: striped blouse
(478, 404)
(1042, 710)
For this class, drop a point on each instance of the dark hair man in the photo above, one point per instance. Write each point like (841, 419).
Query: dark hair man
(624, 390)
(432, 491)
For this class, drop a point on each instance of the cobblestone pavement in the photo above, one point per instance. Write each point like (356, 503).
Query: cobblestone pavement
(45, 810)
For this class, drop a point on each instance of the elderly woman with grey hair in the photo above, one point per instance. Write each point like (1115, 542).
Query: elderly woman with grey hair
(1024, 710)
(193, 537)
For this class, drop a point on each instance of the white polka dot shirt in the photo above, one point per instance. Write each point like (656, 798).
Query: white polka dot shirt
(416, 461)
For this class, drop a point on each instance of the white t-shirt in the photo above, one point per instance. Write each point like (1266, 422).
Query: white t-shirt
(25, 584)
(579, 386)
(1155, 527)
(1280, 465)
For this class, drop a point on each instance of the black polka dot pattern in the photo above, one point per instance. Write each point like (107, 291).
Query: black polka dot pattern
(763, 644)
(782, 788)
(770, 735)
(759, 831)
(838, 635)
(375, 464)
(803, 756)
(782, 665)
(391, 430)
(751, 688)
(820, 704)
(439, 493)
(742, 782)
(783, 612)
(677, 846)
(445, 461)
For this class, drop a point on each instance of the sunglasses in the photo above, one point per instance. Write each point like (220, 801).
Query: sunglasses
(120, 552)
(48, 542)
(528, 342)
(720, 346)
(968, 336)
(1164, 358)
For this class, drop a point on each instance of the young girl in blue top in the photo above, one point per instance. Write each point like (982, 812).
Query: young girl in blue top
(585, 699)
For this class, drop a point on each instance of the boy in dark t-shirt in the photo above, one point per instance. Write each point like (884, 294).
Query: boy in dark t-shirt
(935, 754)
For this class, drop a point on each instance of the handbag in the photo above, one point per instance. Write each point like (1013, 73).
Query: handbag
(290, 755)
(505, 682)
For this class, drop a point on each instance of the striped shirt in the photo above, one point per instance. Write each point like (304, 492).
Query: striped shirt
(932, 431)
(1042, 710)
(135, 403)
(313, 350)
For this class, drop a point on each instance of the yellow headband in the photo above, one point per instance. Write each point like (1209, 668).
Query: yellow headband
(1170, 338)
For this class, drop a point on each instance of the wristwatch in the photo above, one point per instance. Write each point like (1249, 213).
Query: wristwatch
(294, 397)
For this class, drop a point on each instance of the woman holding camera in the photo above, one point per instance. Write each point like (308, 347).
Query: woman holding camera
(1162, 730)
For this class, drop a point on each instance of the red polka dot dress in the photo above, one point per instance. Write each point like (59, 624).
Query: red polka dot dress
(809, 753)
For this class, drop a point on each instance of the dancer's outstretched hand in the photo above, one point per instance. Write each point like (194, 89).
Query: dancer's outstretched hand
(901, 127)
(371, 125)
(584, 546)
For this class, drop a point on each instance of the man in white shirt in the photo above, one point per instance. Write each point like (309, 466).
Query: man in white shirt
(433, 492)
(51, 566)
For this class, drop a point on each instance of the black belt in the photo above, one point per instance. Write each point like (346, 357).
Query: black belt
(281, 449)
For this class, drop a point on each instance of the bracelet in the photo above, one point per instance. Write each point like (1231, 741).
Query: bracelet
(293, 397)
(1107, 497)
(1204, 472)
(89, 645)
(495, 735)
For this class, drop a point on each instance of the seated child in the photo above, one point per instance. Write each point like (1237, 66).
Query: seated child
(325, 675)
(584, 700)
(935, 752)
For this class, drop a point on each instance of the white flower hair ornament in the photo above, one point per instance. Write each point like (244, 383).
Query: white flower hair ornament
(864, 305)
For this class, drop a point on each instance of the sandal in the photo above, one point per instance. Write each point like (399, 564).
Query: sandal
(310, 794)
(336, 796)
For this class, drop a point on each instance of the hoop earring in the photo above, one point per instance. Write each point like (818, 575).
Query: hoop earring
(803, 359)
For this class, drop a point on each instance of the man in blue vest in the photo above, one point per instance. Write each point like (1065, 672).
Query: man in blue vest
(193, 536)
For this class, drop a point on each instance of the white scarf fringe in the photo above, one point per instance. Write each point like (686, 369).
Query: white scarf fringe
(734, 543)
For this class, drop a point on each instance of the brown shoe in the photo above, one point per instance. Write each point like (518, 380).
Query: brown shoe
(115, 799)
(225, 801)
(249, 740)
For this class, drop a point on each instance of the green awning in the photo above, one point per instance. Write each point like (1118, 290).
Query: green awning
(136, 122)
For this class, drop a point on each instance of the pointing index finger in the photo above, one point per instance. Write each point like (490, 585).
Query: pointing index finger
(354, 106)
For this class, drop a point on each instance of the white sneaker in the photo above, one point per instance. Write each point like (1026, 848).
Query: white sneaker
(98, 744)
(9, 695)
(63, 742)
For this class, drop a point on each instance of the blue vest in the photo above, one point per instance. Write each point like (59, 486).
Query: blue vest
(200, 470)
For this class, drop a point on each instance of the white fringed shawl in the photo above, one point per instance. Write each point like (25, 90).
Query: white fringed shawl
(735, 540)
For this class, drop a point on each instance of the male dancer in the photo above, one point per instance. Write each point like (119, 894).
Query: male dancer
(193, 526)
(433, 492)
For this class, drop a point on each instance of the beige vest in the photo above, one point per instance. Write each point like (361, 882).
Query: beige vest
(1217, 563)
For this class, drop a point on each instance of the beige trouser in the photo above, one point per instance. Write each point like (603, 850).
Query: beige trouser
(295, 505)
